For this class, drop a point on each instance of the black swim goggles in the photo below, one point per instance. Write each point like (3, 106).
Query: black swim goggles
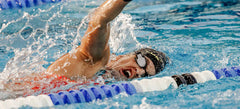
(142, 63)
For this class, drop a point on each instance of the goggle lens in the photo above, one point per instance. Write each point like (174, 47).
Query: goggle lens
(141, 60)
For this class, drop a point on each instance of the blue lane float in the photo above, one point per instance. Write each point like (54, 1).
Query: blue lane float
(90, 94)
(226, 72)
(18, 4)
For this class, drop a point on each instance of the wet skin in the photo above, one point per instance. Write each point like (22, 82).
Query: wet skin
(124, 67)
(93, 53)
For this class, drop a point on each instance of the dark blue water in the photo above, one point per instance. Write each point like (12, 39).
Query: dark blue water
(196, 35)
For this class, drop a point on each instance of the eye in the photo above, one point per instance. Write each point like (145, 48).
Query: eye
(127, 73)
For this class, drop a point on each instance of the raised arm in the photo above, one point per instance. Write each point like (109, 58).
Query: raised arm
(93, 53)
(95, 41)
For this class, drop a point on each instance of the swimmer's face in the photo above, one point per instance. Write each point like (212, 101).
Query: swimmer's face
(127, 67)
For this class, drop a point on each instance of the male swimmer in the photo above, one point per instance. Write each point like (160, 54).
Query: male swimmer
(92, 56)
(93, 53)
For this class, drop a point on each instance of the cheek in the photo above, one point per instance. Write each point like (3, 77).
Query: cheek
(122, 63)
(113, 61)
(151, 68)
(116, 64)
(152, 72)
(140, 71)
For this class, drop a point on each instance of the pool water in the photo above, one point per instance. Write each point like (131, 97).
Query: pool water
(197, 35)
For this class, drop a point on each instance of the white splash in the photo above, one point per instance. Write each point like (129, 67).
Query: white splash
(145, 105)
(122, 34)
(40, 36)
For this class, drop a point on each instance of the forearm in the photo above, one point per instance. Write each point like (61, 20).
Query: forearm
(94, 45)
(95, 40)
(107, 11)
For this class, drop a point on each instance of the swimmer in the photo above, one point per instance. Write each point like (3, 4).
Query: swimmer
(90, 57)
(93, 54)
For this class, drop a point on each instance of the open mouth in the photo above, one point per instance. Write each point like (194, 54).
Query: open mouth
(117, 75)
(121, 74)
(126, 72)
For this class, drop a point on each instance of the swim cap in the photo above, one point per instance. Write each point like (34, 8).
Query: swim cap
(158, 58)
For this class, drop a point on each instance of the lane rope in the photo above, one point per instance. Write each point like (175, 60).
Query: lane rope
(90, 94)
(18, 4)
